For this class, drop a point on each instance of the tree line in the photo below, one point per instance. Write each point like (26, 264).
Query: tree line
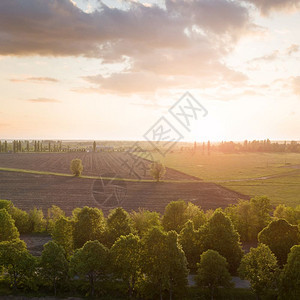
(258, 146)
(146, 255)
(31, 146)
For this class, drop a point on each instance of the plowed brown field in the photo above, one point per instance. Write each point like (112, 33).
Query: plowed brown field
(122, 164)
(29, 190)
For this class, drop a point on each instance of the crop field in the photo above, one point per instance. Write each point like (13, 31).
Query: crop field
(276, 175)
(28, 190)
(116, 164)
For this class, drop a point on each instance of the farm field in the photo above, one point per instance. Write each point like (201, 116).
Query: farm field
(115, 164)
(29, 190)
(276, 175)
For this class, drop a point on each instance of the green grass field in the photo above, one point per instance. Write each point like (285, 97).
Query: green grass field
(243, 172)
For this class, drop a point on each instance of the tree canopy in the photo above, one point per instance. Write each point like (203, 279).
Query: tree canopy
(259, 266)
(8, 230)
(289, 287)
(90, 261)
(118, 223)
(89, 226)
(213, 271)
(280, 236)
(164, 263)
(53, 264)
(220, 235)
(126, 260)
(175, 216)
(17, 261)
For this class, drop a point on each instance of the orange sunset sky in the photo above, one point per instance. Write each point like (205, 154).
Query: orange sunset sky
(76, 69)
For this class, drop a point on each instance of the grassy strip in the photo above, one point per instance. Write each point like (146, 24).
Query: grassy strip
(92, 177)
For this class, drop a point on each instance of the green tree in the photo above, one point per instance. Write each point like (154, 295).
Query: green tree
(90, 261)
(259, 266)
(126, 260)
(157, 171)
(190, 242)
(261, 207)
(243, 218)
(37, 223)
(280, 236)
(21, 219)
(175, 216)
(7, 204)
(89, 226)
(76, 167)
(144, 220)
(289, 287)
(213, 271)
(62, 234)
(118, 223)
(219, 234)
(164, 263)
(8, 230)
(18, 262)
(290, 214)
(94, 146)
(53, 264)
(195, 214)
(250, 217)
(53, 214)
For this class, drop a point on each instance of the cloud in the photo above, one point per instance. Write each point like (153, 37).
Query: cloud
(294, 48)
(276, 54)
(61, 28)
(296, 85)
(287, 85)
(229, 93)
(268, 57)
(34, 79)
(183, 43)
(266, 6)
(43, 100)
(131, 82)
(127, 83)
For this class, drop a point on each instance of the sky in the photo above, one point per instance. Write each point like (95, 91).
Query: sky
(108, 70)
